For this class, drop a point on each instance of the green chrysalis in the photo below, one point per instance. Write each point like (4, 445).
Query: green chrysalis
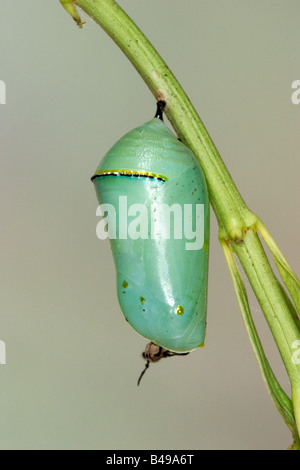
(161, 256)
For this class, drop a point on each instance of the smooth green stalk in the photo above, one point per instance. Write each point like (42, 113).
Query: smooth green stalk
(278, 315)
(265, 285)
(296, 400)
(279, 397)
(237, 223)
(288, 276)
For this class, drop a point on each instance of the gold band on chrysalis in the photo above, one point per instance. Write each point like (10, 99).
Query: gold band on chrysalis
(129, 173)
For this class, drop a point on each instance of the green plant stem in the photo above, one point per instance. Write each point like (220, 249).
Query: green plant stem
(265, 286)
(237, 223)
(279, 397)
(286, 271)
(296, 403)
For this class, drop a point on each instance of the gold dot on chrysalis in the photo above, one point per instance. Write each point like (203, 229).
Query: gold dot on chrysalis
(180, 310)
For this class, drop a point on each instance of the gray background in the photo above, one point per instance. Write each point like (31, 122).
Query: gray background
(72, 361)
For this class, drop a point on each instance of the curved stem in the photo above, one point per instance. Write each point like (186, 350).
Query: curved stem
(237, 223)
